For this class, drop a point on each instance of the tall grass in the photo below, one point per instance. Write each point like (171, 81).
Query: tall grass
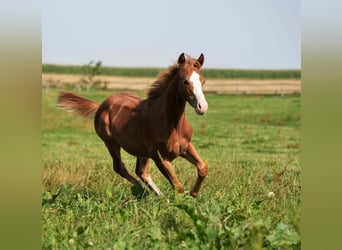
(252, 146)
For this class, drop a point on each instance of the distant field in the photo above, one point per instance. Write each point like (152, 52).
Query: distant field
(153, 72)
(252, 145)
(228, 86)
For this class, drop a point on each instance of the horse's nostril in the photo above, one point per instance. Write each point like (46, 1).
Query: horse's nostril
(202, 106)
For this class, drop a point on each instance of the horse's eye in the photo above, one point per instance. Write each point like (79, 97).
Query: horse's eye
(186, 82)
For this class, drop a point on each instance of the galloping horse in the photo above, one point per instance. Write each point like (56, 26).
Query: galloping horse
(153, 128)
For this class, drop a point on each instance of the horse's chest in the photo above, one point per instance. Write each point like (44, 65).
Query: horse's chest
(176, 145)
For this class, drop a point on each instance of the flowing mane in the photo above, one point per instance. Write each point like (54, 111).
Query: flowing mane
(159, 85)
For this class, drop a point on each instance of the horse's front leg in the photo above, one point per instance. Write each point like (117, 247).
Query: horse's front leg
(202, 168)
(167, 170)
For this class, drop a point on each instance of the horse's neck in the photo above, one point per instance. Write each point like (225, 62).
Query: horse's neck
(172, 105)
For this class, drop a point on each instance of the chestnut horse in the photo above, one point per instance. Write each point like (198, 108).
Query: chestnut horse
(153, 128)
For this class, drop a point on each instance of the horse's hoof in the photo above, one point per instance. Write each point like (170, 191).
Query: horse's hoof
(193, 194)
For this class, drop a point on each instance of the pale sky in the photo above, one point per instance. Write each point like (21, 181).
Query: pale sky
(255, 34)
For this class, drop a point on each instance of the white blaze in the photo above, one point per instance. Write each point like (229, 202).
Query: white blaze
(198, 92)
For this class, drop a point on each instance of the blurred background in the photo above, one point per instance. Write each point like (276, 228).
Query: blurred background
(108, 43)
(232, 34)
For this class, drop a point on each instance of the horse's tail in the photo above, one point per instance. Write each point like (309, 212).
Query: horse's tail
(77, 104)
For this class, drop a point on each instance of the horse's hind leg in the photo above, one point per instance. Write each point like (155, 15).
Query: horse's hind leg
(142, 169)
(118, 165)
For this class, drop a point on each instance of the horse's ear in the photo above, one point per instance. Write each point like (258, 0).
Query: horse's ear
(181, 59)
(200, 60)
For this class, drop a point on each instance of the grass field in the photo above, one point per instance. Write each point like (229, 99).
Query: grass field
(252, 146)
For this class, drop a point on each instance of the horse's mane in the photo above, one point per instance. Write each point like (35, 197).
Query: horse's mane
(159, 85)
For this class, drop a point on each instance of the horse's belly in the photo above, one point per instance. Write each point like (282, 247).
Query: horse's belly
(125, 123)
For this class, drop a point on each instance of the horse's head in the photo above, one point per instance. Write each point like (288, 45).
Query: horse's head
(192, 81)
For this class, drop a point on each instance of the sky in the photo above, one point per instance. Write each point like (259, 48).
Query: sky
(246, 34)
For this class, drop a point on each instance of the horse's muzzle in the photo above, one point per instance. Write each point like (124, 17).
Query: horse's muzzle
(201, 107)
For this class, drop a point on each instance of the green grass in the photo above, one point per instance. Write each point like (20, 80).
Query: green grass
(252, 145)
(152, 72)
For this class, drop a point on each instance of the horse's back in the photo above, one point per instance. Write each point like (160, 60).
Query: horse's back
(123, 99)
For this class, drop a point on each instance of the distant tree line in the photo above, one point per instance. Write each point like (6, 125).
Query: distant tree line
(91, 69)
